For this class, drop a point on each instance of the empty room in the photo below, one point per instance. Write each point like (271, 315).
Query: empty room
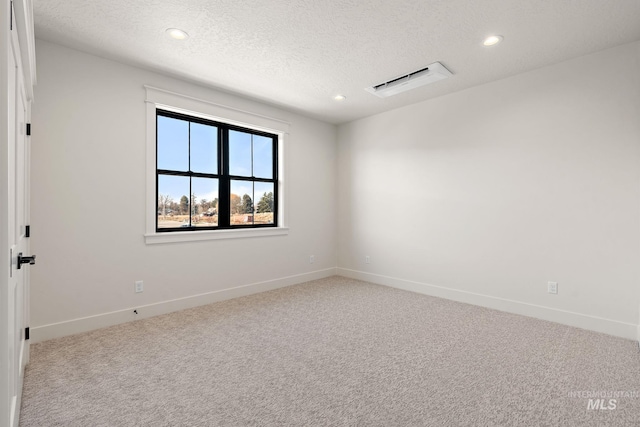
(337, 213)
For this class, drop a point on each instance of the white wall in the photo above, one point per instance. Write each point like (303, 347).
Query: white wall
(481, 196)
(487, 194)
(88, 203)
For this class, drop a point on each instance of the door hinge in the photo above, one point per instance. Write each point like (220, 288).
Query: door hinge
(28, 129)
(27, 231)
(26, 333)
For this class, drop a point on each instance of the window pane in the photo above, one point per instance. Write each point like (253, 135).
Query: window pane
(193, 162)
(241, 202)
(173, 202)
(205, 202)
(204, 148)
(265, 203)
(262, 157)
(239, 153)
(173, 144)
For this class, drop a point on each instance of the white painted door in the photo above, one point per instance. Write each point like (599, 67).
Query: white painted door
(18, 213)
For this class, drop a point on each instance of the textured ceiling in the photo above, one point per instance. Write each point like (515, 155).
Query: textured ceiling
(300, 53)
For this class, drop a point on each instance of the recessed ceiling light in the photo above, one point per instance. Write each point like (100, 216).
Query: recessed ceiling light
(177, 33)
(492, 40)
(339, 97)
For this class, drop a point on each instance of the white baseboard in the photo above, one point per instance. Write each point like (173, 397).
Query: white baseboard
(75, 326)
(592, 323)
(638, 333)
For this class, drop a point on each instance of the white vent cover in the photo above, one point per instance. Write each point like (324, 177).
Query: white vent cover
(431, 73)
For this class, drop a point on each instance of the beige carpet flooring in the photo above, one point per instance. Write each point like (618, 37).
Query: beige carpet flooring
(333, 352)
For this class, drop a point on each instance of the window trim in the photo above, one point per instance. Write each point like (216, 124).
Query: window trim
(199, 108)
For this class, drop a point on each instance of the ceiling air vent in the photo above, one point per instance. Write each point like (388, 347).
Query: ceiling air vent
(429, 74)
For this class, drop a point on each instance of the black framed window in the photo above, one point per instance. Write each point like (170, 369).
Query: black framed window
(212, 175)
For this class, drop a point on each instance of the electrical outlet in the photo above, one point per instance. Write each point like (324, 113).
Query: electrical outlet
(312, 259)
(139, 286)
(367, 259)
(552, 287)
